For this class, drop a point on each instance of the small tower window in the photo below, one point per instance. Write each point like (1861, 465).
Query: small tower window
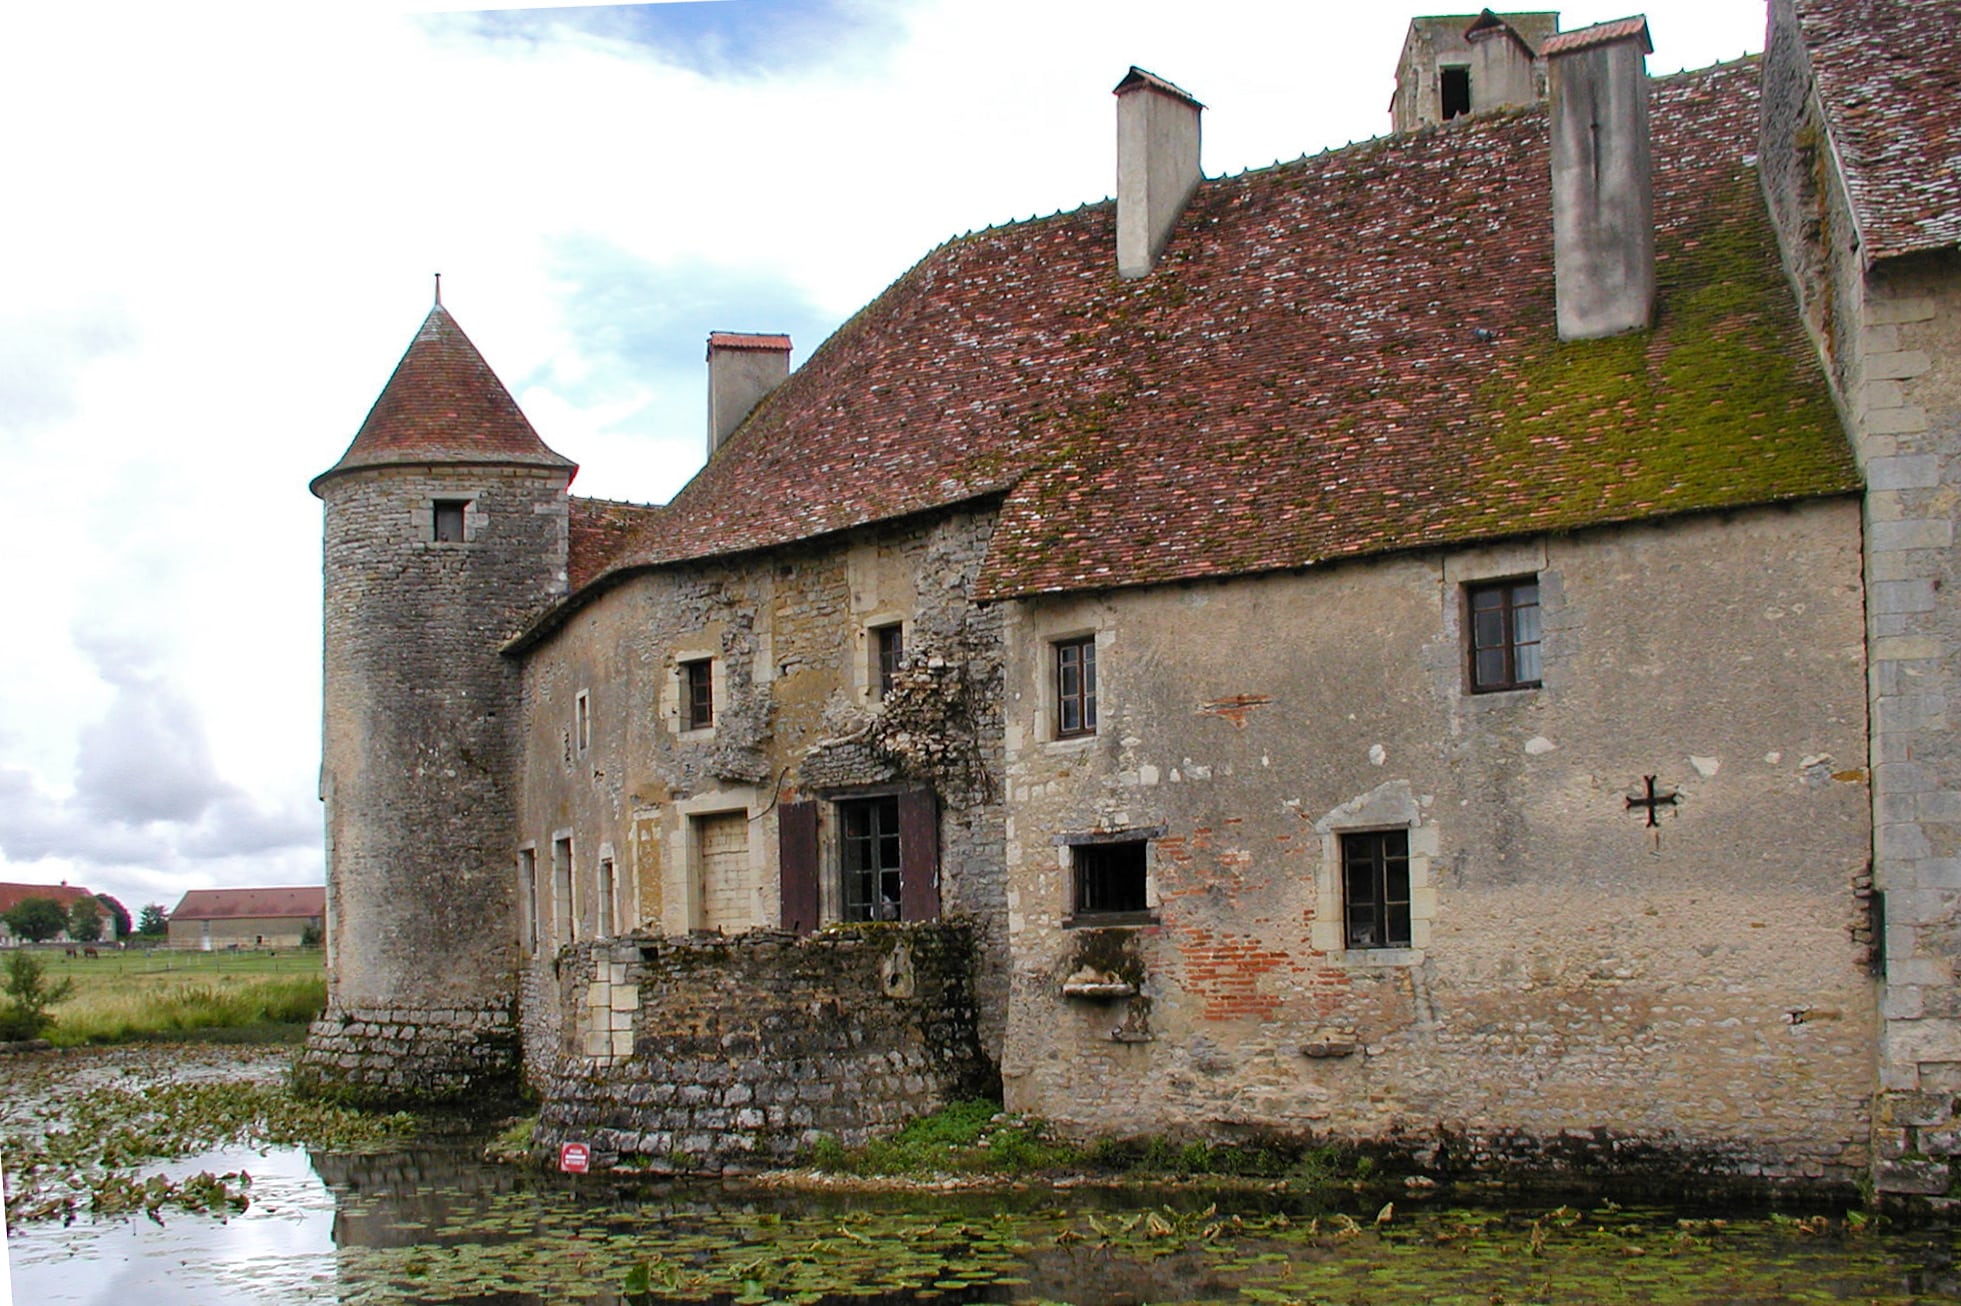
(1456, 87)
(449, 520)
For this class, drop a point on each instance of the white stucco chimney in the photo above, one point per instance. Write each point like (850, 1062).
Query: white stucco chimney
(1157, 166)
(1603, 208)
(742, 368)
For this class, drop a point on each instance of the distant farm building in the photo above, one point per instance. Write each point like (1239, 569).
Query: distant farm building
(13, 895)
(247, 918)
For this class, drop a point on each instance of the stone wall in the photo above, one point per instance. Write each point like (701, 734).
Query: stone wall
(721, 1054)
(420, 716)
(1891, 334)
(796, 717)
(1695, 993)
(463, 1056)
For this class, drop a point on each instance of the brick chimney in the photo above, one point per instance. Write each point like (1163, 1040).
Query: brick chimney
(742, 368)
(1603, 209)
(1157, 166)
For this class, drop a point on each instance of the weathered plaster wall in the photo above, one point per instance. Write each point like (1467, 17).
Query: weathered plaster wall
(420, 717)
(1701, 990)
(1891, 334)
(796, 716)
(745, 1049)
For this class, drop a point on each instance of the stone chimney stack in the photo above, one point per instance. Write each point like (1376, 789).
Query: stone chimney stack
(1157, 166)
(742, 368)
(1603, 209)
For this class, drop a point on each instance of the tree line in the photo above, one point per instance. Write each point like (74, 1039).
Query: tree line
(89, 919)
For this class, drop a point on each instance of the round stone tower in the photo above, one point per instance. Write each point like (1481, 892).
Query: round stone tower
(445, 529)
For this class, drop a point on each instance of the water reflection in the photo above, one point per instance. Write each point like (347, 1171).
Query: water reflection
(433, 1225)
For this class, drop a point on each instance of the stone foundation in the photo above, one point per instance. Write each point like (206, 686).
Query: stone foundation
(732, 1054)
(411, 1056)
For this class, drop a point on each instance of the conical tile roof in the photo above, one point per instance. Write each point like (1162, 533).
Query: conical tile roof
(444, 405)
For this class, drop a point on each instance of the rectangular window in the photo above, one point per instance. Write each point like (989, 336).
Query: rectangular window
(449, 520)
(1504, 622)
(868, 858)
(1110, 877)
(888, 650)
(1454, 84)
(1075, 687)
(698, 694)
(529, 931)
(582, 720)
(606, 887)
(1375, 888)
(564, 929)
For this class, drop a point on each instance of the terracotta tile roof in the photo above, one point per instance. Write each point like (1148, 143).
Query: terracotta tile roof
(1585, 38)
(444, 405)
(13, 895)
(304, 902)
(1340, 356)
(1889, 76)
(748, 340)
(600, 528)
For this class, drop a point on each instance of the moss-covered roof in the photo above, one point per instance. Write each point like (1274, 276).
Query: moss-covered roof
(1340, 356)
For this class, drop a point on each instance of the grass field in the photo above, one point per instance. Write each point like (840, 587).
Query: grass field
(136, 994)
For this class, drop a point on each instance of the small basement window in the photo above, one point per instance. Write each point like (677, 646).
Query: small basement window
(1110, 878)
(449, 520)
(1455, 84)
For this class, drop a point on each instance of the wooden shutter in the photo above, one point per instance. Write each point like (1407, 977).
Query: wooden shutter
(919, 855)
(796, 839)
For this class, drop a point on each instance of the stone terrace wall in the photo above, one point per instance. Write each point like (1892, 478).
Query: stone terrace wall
(403, 1053)
(744, 1050)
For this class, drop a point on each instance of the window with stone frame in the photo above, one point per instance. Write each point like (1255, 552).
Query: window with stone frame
(1375, 885)
(1075, 687)
(888, 651)
(565, 928)
(1110, 878)
(448, 520)
(531, 930)
(1502, 621)
(604, 926)
(582, 720)
(697, 694)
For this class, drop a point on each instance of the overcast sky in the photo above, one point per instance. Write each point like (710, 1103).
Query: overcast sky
(218, 236)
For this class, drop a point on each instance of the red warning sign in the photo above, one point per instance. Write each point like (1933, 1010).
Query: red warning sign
(574, 1158)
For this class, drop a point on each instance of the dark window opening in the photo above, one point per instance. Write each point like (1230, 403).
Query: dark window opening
(1504, 635)
(449, 520)
(1375, 888)
(868, 856)
(1110, 877)
(888, 650)
(531, 929)
(1456, 86)
(698, 694)
(582, 720)
(1075, 687)
(564, 929)
(604, 925)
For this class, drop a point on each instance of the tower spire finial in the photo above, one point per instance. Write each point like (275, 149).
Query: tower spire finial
(439, 290)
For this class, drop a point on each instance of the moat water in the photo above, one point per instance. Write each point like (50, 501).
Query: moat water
(435, 1224)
